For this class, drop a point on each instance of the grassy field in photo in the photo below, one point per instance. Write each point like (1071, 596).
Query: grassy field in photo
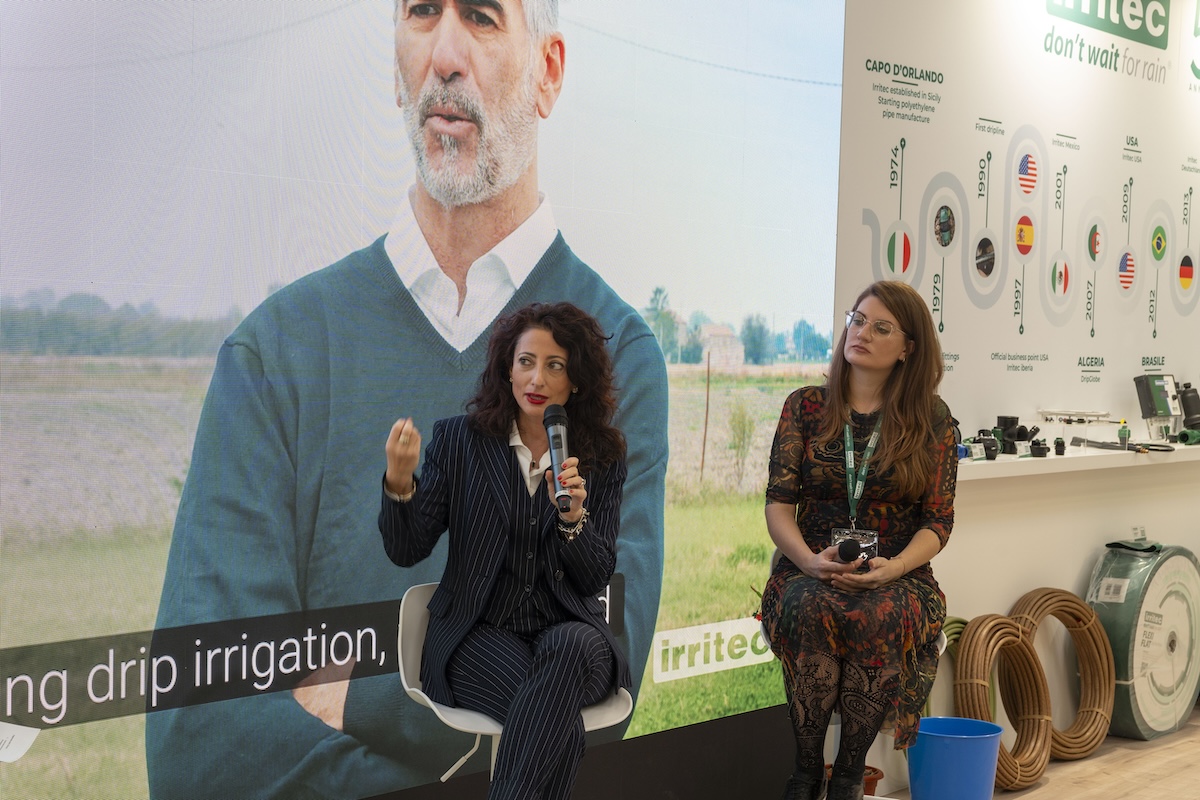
(717, 556)
(93, 455)
(717, 551)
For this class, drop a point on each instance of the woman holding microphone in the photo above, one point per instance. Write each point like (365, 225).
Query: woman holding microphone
(516, 629)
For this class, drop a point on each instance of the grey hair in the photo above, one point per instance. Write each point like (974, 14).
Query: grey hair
(541, 17)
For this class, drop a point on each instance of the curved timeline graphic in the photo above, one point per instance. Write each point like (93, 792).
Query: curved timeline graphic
(1159, 236)
(1184, 289)
(1059, 286)
(1025, 189)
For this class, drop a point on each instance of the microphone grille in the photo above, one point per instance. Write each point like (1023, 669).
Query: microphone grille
(554, 415)
(848, 550)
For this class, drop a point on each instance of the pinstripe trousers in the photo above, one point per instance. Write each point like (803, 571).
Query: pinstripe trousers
(536, 689)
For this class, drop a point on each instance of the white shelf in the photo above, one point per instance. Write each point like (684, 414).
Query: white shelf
(1076, 459)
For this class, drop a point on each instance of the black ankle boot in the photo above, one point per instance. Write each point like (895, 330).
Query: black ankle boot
(805, 785)
(842, 787)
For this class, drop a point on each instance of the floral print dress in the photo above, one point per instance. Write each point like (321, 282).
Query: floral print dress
(894, 627)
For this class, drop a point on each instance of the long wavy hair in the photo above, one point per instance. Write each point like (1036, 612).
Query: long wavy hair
(592, 437)
(910, 401)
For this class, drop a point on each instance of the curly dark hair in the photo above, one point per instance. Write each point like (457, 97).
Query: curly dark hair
(493, 409)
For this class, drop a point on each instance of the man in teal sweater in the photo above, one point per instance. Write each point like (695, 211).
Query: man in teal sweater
(278, 513)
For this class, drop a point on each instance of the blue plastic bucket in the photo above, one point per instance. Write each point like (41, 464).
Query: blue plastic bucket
(954, 758)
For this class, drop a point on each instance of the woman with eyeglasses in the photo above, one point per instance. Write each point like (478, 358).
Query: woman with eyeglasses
(866, 463)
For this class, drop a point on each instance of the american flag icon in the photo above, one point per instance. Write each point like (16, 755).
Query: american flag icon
(1027, 173)
(1125, 271)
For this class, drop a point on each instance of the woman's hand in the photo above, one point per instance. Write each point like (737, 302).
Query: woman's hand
(881, 572)
(573, 482)
(825, 566)
(403, 452)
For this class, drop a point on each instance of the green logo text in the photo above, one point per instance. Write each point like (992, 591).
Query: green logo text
(1144, 21)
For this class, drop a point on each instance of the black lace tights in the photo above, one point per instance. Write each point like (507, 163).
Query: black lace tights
(863, 695)
(812, 686)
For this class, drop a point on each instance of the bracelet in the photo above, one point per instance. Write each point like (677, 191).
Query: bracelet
(401, 498)
(904, 567)
(568, 532)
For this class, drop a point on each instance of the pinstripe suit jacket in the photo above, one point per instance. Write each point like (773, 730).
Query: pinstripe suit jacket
(464, 487)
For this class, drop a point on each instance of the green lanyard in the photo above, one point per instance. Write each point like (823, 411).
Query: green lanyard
(855, 483)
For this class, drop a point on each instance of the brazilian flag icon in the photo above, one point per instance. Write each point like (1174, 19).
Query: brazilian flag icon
(1158, 243)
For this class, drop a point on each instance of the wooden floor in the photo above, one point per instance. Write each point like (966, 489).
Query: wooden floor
(1161, 769)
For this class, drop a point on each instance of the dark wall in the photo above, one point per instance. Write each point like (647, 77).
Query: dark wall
(748, 755)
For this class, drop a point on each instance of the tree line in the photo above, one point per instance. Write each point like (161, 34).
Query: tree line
(760, 344)
(85, 325)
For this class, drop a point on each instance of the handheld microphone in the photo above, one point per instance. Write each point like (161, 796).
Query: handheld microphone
(554, 418)
(849, 550)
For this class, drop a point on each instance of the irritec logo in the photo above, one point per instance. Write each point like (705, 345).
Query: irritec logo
(1145, 23)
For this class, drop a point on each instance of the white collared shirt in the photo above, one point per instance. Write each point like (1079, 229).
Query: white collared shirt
(535, 471)
(492, 279)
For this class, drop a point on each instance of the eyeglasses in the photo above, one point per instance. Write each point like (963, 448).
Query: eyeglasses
(881, 327)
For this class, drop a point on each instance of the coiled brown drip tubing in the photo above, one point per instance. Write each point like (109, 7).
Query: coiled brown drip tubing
(953, 628)
(1097, 670)
(987, 639)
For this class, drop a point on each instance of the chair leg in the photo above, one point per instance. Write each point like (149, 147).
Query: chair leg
(458, 764)
(495, 750)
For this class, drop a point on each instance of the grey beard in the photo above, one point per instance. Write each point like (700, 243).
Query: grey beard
(506, 147)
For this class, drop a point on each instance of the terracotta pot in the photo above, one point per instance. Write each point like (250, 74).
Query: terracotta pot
(871, 777)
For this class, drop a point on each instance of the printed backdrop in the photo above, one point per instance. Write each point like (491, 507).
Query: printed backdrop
(1031, 168)
(168, 164)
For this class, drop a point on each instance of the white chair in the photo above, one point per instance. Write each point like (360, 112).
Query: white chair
(414, 619)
